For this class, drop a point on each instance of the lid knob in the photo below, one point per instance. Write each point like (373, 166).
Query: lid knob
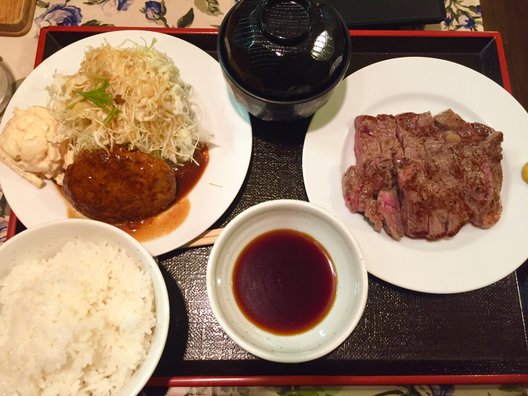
(286, 21)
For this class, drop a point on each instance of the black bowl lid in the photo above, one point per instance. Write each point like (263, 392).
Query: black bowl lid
(284, 50)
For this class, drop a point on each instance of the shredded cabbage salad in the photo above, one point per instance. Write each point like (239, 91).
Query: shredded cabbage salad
(129, 95)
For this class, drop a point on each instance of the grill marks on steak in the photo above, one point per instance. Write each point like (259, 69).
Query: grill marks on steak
(428, 179)
(479, 166)
(425, 176)
(377, 150)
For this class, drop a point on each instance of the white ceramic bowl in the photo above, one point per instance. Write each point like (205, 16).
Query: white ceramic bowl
(351, 290)
(46, 240)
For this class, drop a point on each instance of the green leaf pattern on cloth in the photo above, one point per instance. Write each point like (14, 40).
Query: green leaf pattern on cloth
(186, 20)
(211, 7)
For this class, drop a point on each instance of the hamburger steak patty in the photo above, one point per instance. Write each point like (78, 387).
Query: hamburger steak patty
(425, 177)
(119, 186)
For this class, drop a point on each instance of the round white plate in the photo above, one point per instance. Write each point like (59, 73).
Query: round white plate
(229, 150)
(472, 259)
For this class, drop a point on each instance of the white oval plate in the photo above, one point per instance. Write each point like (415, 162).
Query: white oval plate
(474, 258)
(229, 149)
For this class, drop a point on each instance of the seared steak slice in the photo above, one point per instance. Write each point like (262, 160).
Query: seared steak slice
(376, 138)
(479, 163)
(449, 121)
(377, 148)
(433, 204)
(388, 205)
(418, 134)
(362, 183)
(425, 176)
(429, 179)
(482, 179)
(415, 211)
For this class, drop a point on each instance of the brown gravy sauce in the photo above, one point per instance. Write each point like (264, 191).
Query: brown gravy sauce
(161, 224)
(187, 176)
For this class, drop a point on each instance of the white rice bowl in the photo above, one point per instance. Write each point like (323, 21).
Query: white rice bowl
(83, 310)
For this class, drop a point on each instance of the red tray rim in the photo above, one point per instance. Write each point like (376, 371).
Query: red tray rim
(316, 380)
(311, 380)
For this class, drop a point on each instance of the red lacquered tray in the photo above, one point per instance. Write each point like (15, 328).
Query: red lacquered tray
(404, 337)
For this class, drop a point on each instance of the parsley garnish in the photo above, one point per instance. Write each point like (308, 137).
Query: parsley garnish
(102, 99)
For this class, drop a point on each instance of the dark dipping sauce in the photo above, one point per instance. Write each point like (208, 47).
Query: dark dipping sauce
(284, 282)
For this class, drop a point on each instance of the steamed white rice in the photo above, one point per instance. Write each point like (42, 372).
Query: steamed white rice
(80, 322)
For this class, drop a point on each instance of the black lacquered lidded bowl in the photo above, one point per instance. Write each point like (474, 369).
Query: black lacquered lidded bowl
(283, 58)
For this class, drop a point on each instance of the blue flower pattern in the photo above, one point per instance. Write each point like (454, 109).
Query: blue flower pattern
(469, 24)
(155, 11)
(60, 14)
(122, 5)
(462, 15)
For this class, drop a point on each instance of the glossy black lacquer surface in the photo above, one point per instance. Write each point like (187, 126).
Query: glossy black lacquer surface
(262, 46)
(385, 13)
(402, 332)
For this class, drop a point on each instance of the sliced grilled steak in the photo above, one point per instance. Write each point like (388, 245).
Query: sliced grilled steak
(389, 209)
(479, 162)
(376, 148)
(425, 176)
(376, 138)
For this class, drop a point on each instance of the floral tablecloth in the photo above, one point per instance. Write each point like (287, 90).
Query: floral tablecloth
(18, 53)
(461, 14)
